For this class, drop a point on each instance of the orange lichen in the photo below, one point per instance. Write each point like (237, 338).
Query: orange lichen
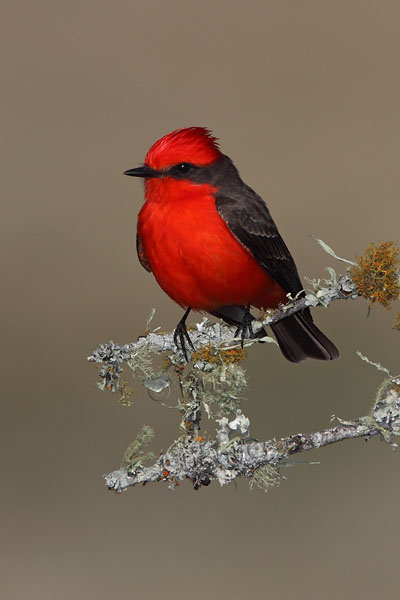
(165, 473)
(236, 355)
(376, 273)
(216, 356)
(206, 353)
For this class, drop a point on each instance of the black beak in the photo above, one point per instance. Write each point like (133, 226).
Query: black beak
(144, 171)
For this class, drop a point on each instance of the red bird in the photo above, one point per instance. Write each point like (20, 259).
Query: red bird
(212, 245)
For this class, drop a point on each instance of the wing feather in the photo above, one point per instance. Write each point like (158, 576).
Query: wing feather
(251, 223)
(141, 254)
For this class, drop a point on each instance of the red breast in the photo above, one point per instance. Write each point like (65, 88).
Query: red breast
(195, 258)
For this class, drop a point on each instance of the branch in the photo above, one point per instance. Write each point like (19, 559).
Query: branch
(112, 355)
(203, 461)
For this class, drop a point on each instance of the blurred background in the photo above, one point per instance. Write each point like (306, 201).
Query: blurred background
(305, 98)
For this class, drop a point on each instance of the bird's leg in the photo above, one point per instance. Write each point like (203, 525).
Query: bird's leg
(245, 326)
(181, 335)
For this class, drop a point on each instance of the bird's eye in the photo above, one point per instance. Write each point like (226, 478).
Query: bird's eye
(183, 167)
(180, 170)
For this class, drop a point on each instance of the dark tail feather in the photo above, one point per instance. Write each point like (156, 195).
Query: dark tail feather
(299, 338)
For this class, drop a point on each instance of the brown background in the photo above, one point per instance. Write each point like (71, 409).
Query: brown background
(305, 97)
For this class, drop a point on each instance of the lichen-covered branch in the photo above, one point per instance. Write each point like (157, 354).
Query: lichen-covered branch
(214, 380)
(233, 453)
(110, 355)
(226, 459)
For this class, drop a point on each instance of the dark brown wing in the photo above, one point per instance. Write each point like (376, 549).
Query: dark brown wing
(250, 221)
(142, 256)
(248, 218)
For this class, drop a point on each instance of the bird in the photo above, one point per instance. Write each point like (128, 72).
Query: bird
(213, 247)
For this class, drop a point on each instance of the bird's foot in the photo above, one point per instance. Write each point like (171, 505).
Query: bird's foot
(181, 336)
(245, 329)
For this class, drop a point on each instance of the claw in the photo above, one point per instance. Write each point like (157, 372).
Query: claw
(181, 336)
(245, 327)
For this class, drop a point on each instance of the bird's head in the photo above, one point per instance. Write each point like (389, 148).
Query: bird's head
(179, 152)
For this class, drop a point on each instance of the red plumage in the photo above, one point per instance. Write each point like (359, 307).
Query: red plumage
(197, 143)
(194, 257)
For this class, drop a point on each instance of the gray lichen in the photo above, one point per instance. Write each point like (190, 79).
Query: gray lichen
(226, 458)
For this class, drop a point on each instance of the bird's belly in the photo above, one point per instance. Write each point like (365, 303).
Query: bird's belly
(198, 262)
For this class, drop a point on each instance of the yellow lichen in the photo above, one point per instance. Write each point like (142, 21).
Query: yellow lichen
(126, 392)
(376, 273)
(396, 324)
(265, 477)
(234, 356)
(205, 353)
(166, 363)
(219, 356)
